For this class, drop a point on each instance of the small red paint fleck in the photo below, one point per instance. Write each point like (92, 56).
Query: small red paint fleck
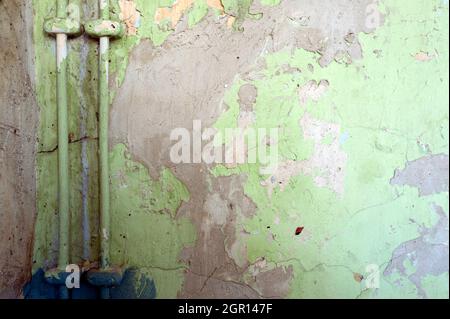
(299, 230)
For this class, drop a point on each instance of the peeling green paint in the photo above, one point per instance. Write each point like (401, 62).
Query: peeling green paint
(145, 230)
(59, 25)
(199, 11)
(104, 28)
(240, 9)
(270, 2)
(164, 197)
(344, 234)
(148, 29)
(82, 100)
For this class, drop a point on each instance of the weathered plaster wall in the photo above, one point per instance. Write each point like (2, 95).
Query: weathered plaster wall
(358, 90)
(18, 112)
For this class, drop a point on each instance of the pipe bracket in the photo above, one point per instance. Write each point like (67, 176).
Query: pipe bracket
(56, 277)
(67, 26)
(104, 28)
(105, 277)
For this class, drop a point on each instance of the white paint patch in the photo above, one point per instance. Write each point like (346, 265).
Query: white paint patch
(61, 49)
(217, 209)
(326, 165)
(103, 4)
(237, 149)
(238, 250)
(424, 56)
(105, 234)
(259, 266)
(104, 45)
(312, 91)
(277, 220)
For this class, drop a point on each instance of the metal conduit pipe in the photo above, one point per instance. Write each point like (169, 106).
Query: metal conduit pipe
(105, 222)
(62, 26)
(104, 29)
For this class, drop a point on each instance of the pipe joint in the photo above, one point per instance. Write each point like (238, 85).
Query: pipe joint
(105, 278)
(104, 28)
(67, 26)
(57, 277)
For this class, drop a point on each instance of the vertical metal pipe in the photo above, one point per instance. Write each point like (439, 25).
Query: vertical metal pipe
(104, 29)
(63, 147)
(105, 222)
(103, 141)
(61, 8)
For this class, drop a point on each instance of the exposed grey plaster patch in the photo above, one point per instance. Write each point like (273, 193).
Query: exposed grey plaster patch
(430, 174)
(274, 282)
(326, 164)
(223, 288)
(330, 30)
(186, 79)
(247, 96)
(288, 69)
(167, 87)
(429, 253)
(313, 91)
(216, 208)
(18, 119)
